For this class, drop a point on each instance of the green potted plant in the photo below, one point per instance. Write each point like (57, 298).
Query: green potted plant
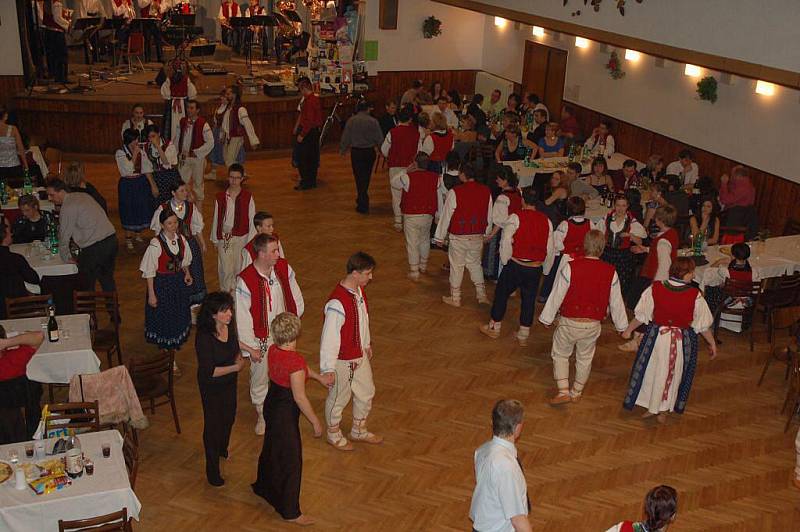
(431, 27)
(613, 66)
(707, 89)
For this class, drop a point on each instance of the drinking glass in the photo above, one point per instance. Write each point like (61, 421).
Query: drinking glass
(106, 450)
(29, 450)
(13, 456)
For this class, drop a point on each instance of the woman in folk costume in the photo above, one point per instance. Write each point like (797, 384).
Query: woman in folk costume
(190, 225)
(675, 313)
(622, 231)
(508, 202)
(660, 510)
(177, 89)
(160, 161)
(136, 189)
(234, 125)
(165, 267)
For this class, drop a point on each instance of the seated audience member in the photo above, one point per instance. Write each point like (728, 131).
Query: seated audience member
(660, 509)
(555, 199)
(601, 142)
(33, 223)
(539, 126)
(737, 268)
(578, 186)
(654, 170)
(551, 145)
(736, 190)
(493, 106)
(685, 168)
(14, 270)
(467, 133)
(443, 103)
(75, 179)
(570, 129)
(412, 95)
(676, 196)
(512, 104)
(474, 110)
(389, 119)
(508, 118)
(627, 177)
(599, 177)
(634, 196)
(456, 101)
(655, 200)
(706, 222)
(437, 90)
(16, 391)
(513, 147)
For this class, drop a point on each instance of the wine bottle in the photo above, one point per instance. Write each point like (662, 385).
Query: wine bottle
(52, 324)
(27, 184)
(74, 457)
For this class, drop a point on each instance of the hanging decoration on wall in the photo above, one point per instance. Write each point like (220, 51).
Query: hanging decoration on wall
(596, 6)
(707, 89)
(431, 27)
(613, 66)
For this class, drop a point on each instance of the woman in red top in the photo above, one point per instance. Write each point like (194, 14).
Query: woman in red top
(280, 465)
(16, 391)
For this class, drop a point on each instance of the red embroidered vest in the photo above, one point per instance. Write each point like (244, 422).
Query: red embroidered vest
(650, 266)
(470, 216)
(421, 197)
(442, 144)
(169, 263)
(589, 289)
(576, 232)
(514, 201)
(530, 239)
(185, 223)
(673, 306)
(740, 275)
(260, 289)
(197, 133)
(230, 9)
(236, 129)
(616, 242)
(405, 141)
(350, 346)
(241, 219)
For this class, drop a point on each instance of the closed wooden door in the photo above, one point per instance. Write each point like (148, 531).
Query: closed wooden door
(543, 73)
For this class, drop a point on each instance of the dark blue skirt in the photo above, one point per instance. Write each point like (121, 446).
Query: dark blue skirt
(491, 257)
(216, 155)
(136, 203)
(168, 324)
(165, 181)
(197, 292)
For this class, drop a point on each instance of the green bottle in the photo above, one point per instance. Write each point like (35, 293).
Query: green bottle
(27, 184)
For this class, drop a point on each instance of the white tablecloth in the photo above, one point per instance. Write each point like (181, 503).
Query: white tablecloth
(57, 362)
(776, 257)
(107, 491)
(43, 262)
(526, 174)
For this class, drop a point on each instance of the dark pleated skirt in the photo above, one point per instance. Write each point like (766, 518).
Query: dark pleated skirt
(136, 203)
(622, 260)
(491, 257)
(280, 466)
(216, 155)
(168, 324)
(197, 292)
(165, 180)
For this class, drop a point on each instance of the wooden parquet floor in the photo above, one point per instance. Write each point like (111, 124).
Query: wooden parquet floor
(588, 465)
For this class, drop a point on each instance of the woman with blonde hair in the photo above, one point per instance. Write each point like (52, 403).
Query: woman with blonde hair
(551, 145)
(280, 465)
(75, 179)
(443, 142)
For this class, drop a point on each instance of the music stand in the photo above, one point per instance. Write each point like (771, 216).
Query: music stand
(292, 15)
(258, 21)
(86, 22)
(114, 24)
(182, 19)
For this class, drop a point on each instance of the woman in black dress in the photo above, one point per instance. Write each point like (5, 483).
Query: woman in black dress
(219, 360)
(280, 466)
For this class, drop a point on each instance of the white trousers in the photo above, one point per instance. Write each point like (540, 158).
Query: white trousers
(229, 262)
(259, 378)
(397, 195)
(191, 170)
(464, 251)
(580, 336)
(417, 228)
(353, 379)
(230, 151)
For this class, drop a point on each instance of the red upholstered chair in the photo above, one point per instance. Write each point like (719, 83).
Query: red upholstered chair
(135, 49)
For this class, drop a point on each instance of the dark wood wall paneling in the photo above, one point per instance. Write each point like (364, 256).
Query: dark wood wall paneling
(9, 87)
(777, 199)
(388, 85)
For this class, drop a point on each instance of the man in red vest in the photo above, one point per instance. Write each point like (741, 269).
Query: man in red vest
(308, 128)
(586, 288)
(194, 144)
(419, 203)
(526, 250)
(265, 225)
(400, 147)
(228, 9)
(568, 237)
(232, 226)
(345, 353)
(264, 289)
(465, 218)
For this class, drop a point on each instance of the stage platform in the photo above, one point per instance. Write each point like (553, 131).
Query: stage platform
(90, 121)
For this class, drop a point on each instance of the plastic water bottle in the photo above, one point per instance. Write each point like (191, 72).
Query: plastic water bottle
(3, 191)
(27, 183)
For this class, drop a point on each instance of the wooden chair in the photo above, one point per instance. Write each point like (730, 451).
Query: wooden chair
(135, 49)
(53, 157)
(780, 319)
(153, 379)
(732, 290)
(103, 338)
(130, 451)
(792, 227)
(793, 393)
(83, 416)
(783, 291)
(28, 306)
(117, 521)
(732, 234)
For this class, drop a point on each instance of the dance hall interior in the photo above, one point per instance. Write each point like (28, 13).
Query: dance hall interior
(399, 265)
